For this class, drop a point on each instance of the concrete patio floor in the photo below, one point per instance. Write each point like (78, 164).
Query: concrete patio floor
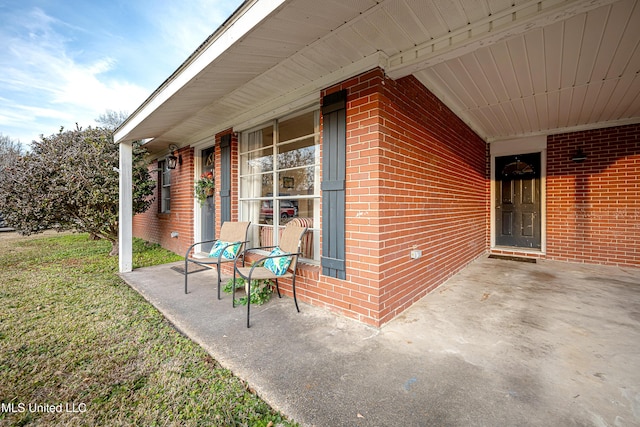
(502, 343)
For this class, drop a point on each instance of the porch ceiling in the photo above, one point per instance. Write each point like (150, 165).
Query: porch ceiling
(507, 68)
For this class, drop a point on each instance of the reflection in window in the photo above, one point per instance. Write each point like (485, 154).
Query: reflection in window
(279, 179)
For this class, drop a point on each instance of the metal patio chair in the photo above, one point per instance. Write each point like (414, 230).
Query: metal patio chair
(289, 247)
(229, 246)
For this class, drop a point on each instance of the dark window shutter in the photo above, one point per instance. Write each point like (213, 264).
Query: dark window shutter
(334, 143)
(225, 178)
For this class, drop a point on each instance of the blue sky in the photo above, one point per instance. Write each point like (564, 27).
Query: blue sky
(63, 62)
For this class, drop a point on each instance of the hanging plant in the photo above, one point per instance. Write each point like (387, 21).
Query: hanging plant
(204, 187)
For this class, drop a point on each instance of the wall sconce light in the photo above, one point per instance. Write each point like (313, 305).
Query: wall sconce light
(579, 156)
(172, 160)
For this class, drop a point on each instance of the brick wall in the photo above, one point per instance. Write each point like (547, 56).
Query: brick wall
(593, 207)
(433, 174)
(157, 227)
(416, 179)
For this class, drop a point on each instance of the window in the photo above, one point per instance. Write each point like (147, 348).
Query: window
(164, 184)
(280, 179)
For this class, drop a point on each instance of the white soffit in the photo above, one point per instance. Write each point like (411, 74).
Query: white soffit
(577, 72)
(508, 68)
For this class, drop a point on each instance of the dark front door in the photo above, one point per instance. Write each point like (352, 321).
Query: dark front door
(208, 213)
(518, 201)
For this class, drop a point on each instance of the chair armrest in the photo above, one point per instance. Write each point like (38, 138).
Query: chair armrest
(239, 242)
(283, 254)
(261, 260)
(198, 243)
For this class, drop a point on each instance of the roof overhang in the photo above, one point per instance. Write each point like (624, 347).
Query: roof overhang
(508, 70)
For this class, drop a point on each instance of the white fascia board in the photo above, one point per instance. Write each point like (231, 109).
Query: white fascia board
(245, 22)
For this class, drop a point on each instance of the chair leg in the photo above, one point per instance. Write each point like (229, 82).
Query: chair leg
(218, 265)
(186, 263)
(278, 289)
(293, 284)
(248, 299)
(233, 302)
(233, 286)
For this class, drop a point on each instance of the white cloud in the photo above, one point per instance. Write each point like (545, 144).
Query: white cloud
(59, 71)
(44, 83)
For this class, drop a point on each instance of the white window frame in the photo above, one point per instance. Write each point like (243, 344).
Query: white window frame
(165, 187)
(276, 198)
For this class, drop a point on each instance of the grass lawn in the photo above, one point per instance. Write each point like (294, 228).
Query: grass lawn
(79, 347)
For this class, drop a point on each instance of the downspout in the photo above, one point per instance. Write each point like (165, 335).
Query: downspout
(125, 217)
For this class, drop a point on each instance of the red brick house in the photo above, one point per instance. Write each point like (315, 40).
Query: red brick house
(410, 136)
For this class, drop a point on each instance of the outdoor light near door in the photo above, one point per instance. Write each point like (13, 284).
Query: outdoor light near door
(172, 160)
(579, 156)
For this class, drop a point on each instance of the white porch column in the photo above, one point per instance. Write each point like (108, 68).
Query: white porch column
(125, 229)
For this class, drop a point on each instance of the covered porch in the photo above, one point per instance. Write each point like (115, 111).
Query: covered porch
(435, 96)
(500, 343)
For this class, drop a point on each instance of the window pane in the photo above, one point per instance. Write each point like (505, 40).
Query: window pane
(298, 153)
(251, 212)
(306, 209)
(166, 178)
(299, 181)
(296, 127)
(267, 211)
(257, 162)
(254, 186)
(259, 139)
(165, 187)
(274, 177)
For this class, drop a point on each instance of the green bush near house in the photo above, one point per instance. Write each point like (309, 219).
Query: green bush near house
(80, 347)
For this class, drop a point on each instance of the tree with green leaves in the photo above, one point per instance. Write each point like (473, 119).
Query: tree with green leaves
(70, 181)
